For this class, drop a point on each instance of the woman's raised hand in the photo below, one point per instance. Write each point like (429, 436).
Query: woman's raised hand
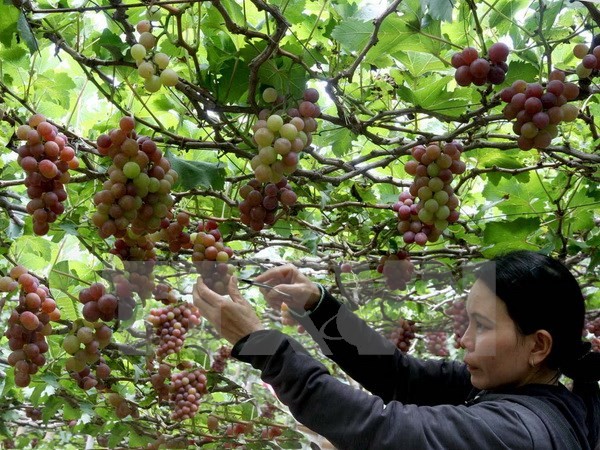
(303, 293)
(233, 319)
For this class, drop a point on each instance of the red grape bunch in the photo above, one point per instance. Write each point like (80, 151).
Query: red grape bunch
(171, 323)
(281, 136)
(260, 202)
(137, 194)
(537, 110)
(99, 304)
(122, 407)
(46, 159)
(434, 168)
(165, 294)
(28, 323)
(470, 68)
(210, 256)
(220, 359)
(187, 389)
(594, 327)
(84, 343)
(172, 232)
(403, 335)
(158, 381)
(436, 343)
(397, 268)
(152, 65)
(460, 321)
(590, 60)
(596, 345)
(139, 259)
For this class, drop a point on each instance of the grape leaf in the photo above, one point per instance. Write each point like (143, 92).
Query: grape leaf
(353, 34)
(197, 173)
(8, 24)
(440, 9)
(26, 34)
(502, 236)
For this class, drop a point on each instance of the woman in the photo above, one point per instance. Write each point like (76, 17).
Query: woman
(526, 315)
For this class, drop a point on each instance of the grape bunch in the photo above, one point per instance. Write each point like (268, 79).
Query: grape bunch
(152, 65)
(84, 343)
(538, 110)
(403, 335)
(165, 294)
(137, 193)
(397, 269)
(210, 256)
(460, 321)
(470, 68)
(46, 159)
(171, 323)
(596, 345)
(158, 381)
(139, 259)
(28, 323)
(271, 433)
(594, 327)
(172, 232)
(122, 407)
(590, 60)
(433, 168)
(98, 304)
(260, 202)
(281, 136)
(436, 343)
(187, 389)
(220, 359)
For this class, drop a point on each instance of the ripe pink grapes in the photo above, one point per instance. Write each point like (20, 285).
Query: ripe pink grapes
(426, 209)
(470, 68)
(537, 110)
(46, 158)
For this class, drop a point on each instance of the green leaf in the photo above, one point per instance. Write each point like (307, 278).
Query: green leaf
(8, 23)
(418, 63)
(440, 9)
(504, 236)
(26, 34)
(51, 406)
(109, 44)
(197, 173)
(117, 433)
(353, 34)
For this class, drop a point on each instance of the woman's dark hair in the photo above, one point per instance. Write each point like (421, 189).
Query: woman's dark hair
(540, 293)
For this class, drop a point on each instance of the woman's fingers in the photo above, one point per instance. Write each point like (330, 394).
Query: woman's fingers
(278, 275)
(205, 294)
(234, 292)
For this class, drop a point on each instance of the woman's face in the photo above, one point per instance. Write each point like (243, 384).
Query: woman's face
(495, 355)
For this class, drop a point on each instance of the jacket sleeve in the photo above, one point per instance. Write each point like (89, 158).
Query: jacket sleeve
(353, 419)
(378, 365)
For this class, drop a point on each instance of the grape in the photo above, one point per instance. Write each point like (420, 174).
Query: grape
(146, 70)
(169, 77)
(161, 60)
(270, 95)
(463, 76)
(138, 52)
(175, 320)
(148, 40)
(498, 52)
(153, 83)
(580, 50)
(479, 68)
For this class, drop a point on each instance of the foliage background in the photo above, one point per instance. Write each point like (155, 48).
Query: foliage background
(386, 83)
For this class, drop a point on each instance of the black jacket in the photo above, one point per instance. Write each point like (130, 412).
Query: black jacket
(416, 404)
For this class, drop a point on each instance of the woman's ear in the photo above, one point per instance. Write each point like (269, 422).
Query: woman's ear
(541, 342)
